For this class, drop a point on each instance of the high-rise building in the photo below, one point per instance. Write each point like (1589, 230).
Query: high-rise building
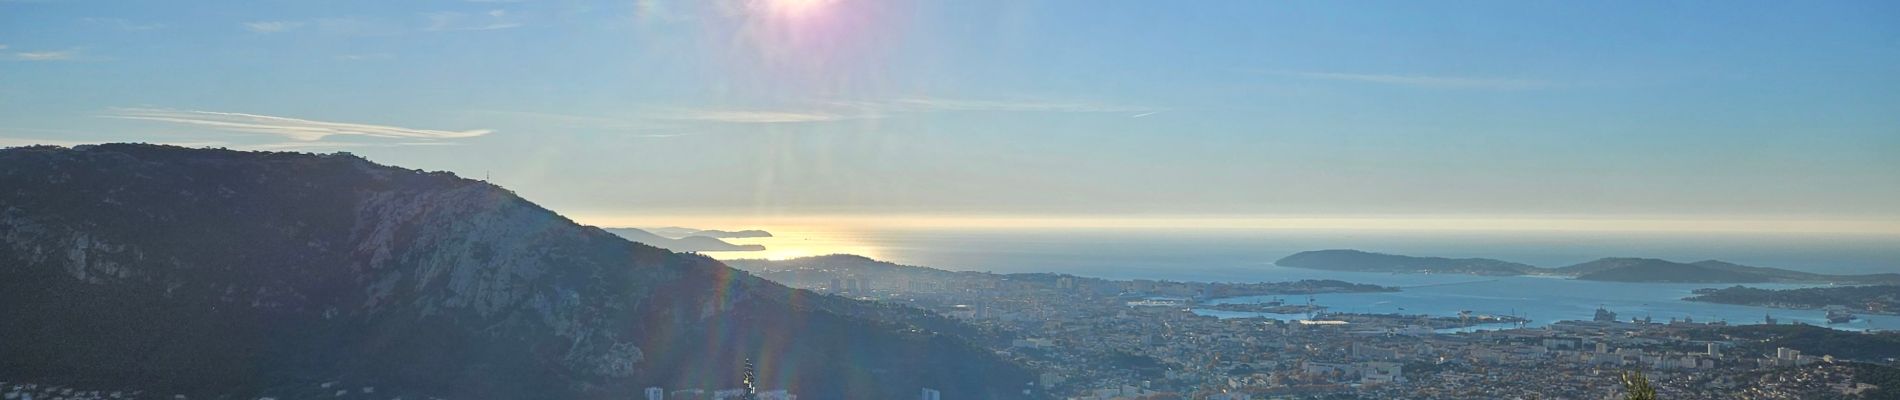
(931, 394)
(1715, 349)
(1787, 353)
(656, 393)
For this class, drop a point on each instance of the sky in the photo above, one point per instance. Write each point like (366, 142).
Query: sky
(1742, 116)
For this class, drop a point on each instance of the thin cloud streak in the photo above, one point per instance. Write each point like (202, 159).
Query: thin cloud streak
(456, 21)
(362, 57)
(335, 145)
(932, 104)
(122, 24)
(59, 55)
(272, 26)
(671, 118)
(755, 116)
(291, 128)
(1442, 82)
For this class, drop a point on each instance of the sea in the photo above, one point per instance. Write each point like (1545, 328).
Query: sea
(1243, 255)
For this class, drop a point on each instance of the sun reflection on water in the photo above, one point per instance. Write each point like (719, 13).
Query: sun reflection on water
(794, 243)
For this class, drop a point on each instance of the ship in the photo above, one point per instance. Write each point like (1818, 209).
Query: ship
(1839, 315)
(1605, 315)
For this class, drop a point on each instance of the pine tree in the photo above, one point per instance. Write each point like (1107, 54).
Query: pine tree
(1636, 386)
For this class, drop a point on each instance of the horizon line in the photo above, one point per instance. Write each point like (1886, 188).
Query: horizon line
(1552, 223)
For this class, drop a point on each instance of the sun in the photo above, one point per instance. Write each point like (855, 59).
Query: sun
(796, 9)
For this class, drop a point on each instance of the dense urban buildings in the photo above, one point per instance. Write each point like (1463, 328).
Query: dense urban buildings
(1107, 339)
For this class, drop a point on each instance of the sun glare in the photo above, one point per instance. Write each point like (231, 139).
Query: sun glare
(796, 8)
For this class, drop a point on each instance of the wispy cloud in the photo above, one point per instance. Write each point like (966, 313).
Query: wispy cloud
(1443, 82)
(344, 26)
(336, 145)
(645, 127)
(754, 116)
(856, 110)
(57, 55)
(929, 104)
(363, 57)
(457, 21)
(122, 24)
(658, 11)
(671, 121)
(291, 128)
(273, 26)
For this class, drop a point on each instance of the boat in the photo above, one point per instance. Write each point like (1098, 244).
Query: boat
(1839, 315)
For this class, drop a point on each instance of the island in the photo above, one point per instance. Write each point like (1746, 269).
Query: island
(1363, 261)
(681, 232)
(1610, 269)
(684, 244)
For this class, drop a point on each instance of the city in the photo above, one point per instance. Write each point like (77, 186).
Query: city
(1104, 339)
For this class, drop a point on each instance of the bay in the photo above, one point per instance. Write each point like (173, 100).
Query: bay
(1248, 255)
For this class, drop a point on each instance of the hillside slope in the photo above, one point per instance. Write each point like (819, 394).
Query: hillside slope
(221, 273)
(1654, 270)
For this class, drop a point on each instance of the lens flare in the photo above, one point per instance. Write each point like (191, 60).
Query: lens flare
(796, 8)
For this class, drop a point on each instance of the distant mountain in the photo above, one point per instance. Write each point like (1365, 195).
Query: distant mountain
(679, 232)
(688, 244)
(1362, 261)
(1654, 270)
(750, 233)
(226, 274)
(1619, 269)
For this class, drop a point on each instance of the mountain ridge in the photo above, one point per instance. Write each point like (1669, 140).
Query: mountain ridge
(214, 273)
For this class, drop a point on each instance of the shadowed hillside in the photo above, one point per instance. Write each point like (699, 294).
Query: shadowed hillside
(225, 273)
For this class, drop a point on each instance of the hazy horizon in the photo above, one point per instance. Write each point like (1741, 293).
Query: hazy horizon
(1156, 251)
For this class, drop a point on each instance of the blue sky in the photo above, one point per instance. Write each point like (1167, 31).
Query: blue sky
(1576, 110)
